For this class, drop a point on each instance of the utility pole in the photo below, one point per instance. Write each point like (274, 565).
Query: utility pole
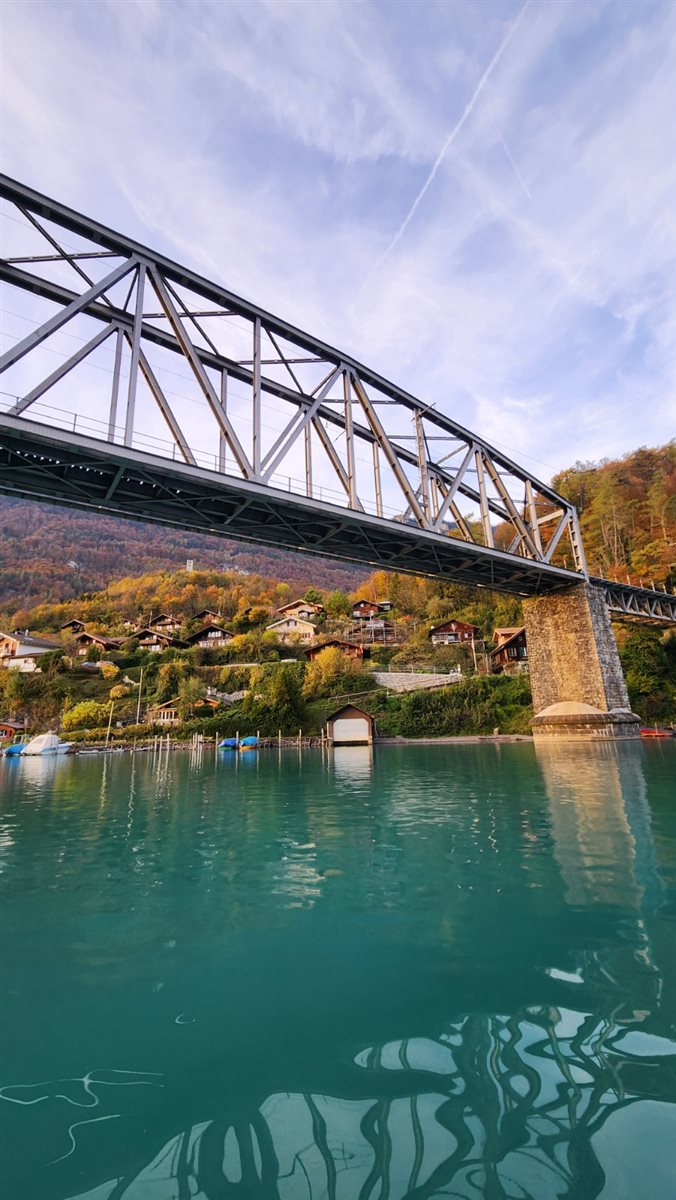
(138, 706)
(110, 721)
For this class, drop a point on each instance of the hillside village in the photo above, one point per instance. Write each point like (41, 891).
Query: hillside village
(171, 668)
(220, 654)
(208, 648)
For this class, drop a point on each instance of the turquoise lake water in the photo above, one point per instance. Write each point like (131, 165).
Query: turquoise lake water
(414, 972)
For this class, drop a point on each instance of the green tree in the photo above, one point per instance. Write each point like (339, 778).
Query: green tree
(337, 604)
(190, 690)
(275, 700)
(649, 663)
(169, 677)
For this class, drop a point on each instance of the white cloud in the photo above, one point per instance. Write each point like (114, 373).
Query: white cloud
(278, 147)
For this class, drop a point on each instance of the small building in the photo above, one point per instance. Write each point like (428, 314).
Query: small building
(211, 637)
(351, 649)
(156, 641)
(375, 632)
(366, 610)
(504, 633)
(453, 631)
(85, 640)
(21, 652)
(350, 726)
(207, 615)
(165, 623)
(74, 626)
(164, 714)
(169, 714)
(510, 655)
(9, 729)
(304, 610)
(292, 629)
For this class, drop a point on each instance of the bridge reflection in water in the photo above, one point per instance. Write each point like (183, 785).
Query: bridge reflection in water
(496, 1106)
(530, 1105)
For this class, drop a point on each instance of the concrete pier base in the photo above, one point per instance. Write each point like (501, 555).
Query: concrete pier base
(576, 675)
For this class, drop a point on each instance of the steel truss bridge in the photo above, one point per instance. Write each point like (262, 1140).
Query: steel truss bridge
(274, 437)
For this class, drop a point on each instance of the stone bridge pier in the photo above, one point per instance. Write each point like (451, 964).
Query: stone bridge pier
(576, 676)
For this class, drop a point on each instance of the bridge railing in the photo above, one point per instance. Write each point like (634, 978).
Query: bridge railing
(88, 426)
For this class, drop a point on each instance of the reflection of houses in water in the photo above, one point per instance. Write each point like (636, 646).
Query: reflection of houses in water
(506, 1106)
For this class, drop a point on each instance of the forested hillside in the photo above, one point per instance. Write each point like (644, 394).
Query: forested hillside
(49, 553)
(628, 514)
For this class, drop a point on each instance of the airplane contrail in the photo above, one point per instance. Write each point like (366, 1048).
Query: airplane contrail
(517, 172)
(469, 108)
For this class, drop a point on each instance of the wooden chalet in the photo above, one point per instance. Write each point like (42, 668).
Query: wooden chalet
(292, 629)
(156, 640)
(165, 623)
(504, 633)
(510, 654)
(453, 631)
(164, 714)
(21, 652)
(374, 633)
(304, 610)
(367, 610)
(9, 729)
(74, 626)
(350, 726)
(85, 640)
(207, 616)
(351, 649)
(169, 714)
(210, 637)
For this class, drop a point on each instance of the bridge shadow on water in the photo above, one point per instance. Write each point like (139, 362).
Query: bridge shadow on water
(524, 1023)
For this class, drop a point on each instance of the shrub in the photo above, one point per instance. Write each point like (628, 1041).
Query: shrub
(474, 707)
(86, 715)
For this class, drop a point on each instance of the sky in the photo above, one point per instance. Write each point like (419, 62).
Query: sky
(476, 199)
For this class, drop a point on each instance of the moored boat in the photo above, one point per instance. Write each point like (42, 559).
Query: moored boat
(15, 748)
(46, 743)
(228, 744)
(656, 733)
(249, 743)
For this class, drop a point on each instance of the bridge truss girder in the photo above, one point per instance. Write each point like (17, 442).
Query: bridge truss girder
(424, 470)
(462, 509)
(76, 471)
(629, 603)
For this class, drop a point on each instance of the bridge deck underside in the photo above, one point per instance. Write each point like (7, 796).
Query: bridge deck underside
(67, 469)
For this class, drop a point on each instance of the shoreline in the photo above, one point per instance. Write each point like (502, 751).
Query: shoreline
(468, 739)
(308, 742)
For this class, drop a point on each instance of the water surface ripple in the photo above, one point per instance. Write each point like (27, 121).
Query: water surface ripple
(415, 972)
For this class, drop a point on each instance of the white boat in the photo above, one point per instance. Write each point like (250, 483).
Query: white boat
(46, 743)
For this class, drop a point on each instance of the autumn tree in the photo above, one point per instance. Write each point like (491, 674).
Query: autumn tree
(334, 673)
(88, 714)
